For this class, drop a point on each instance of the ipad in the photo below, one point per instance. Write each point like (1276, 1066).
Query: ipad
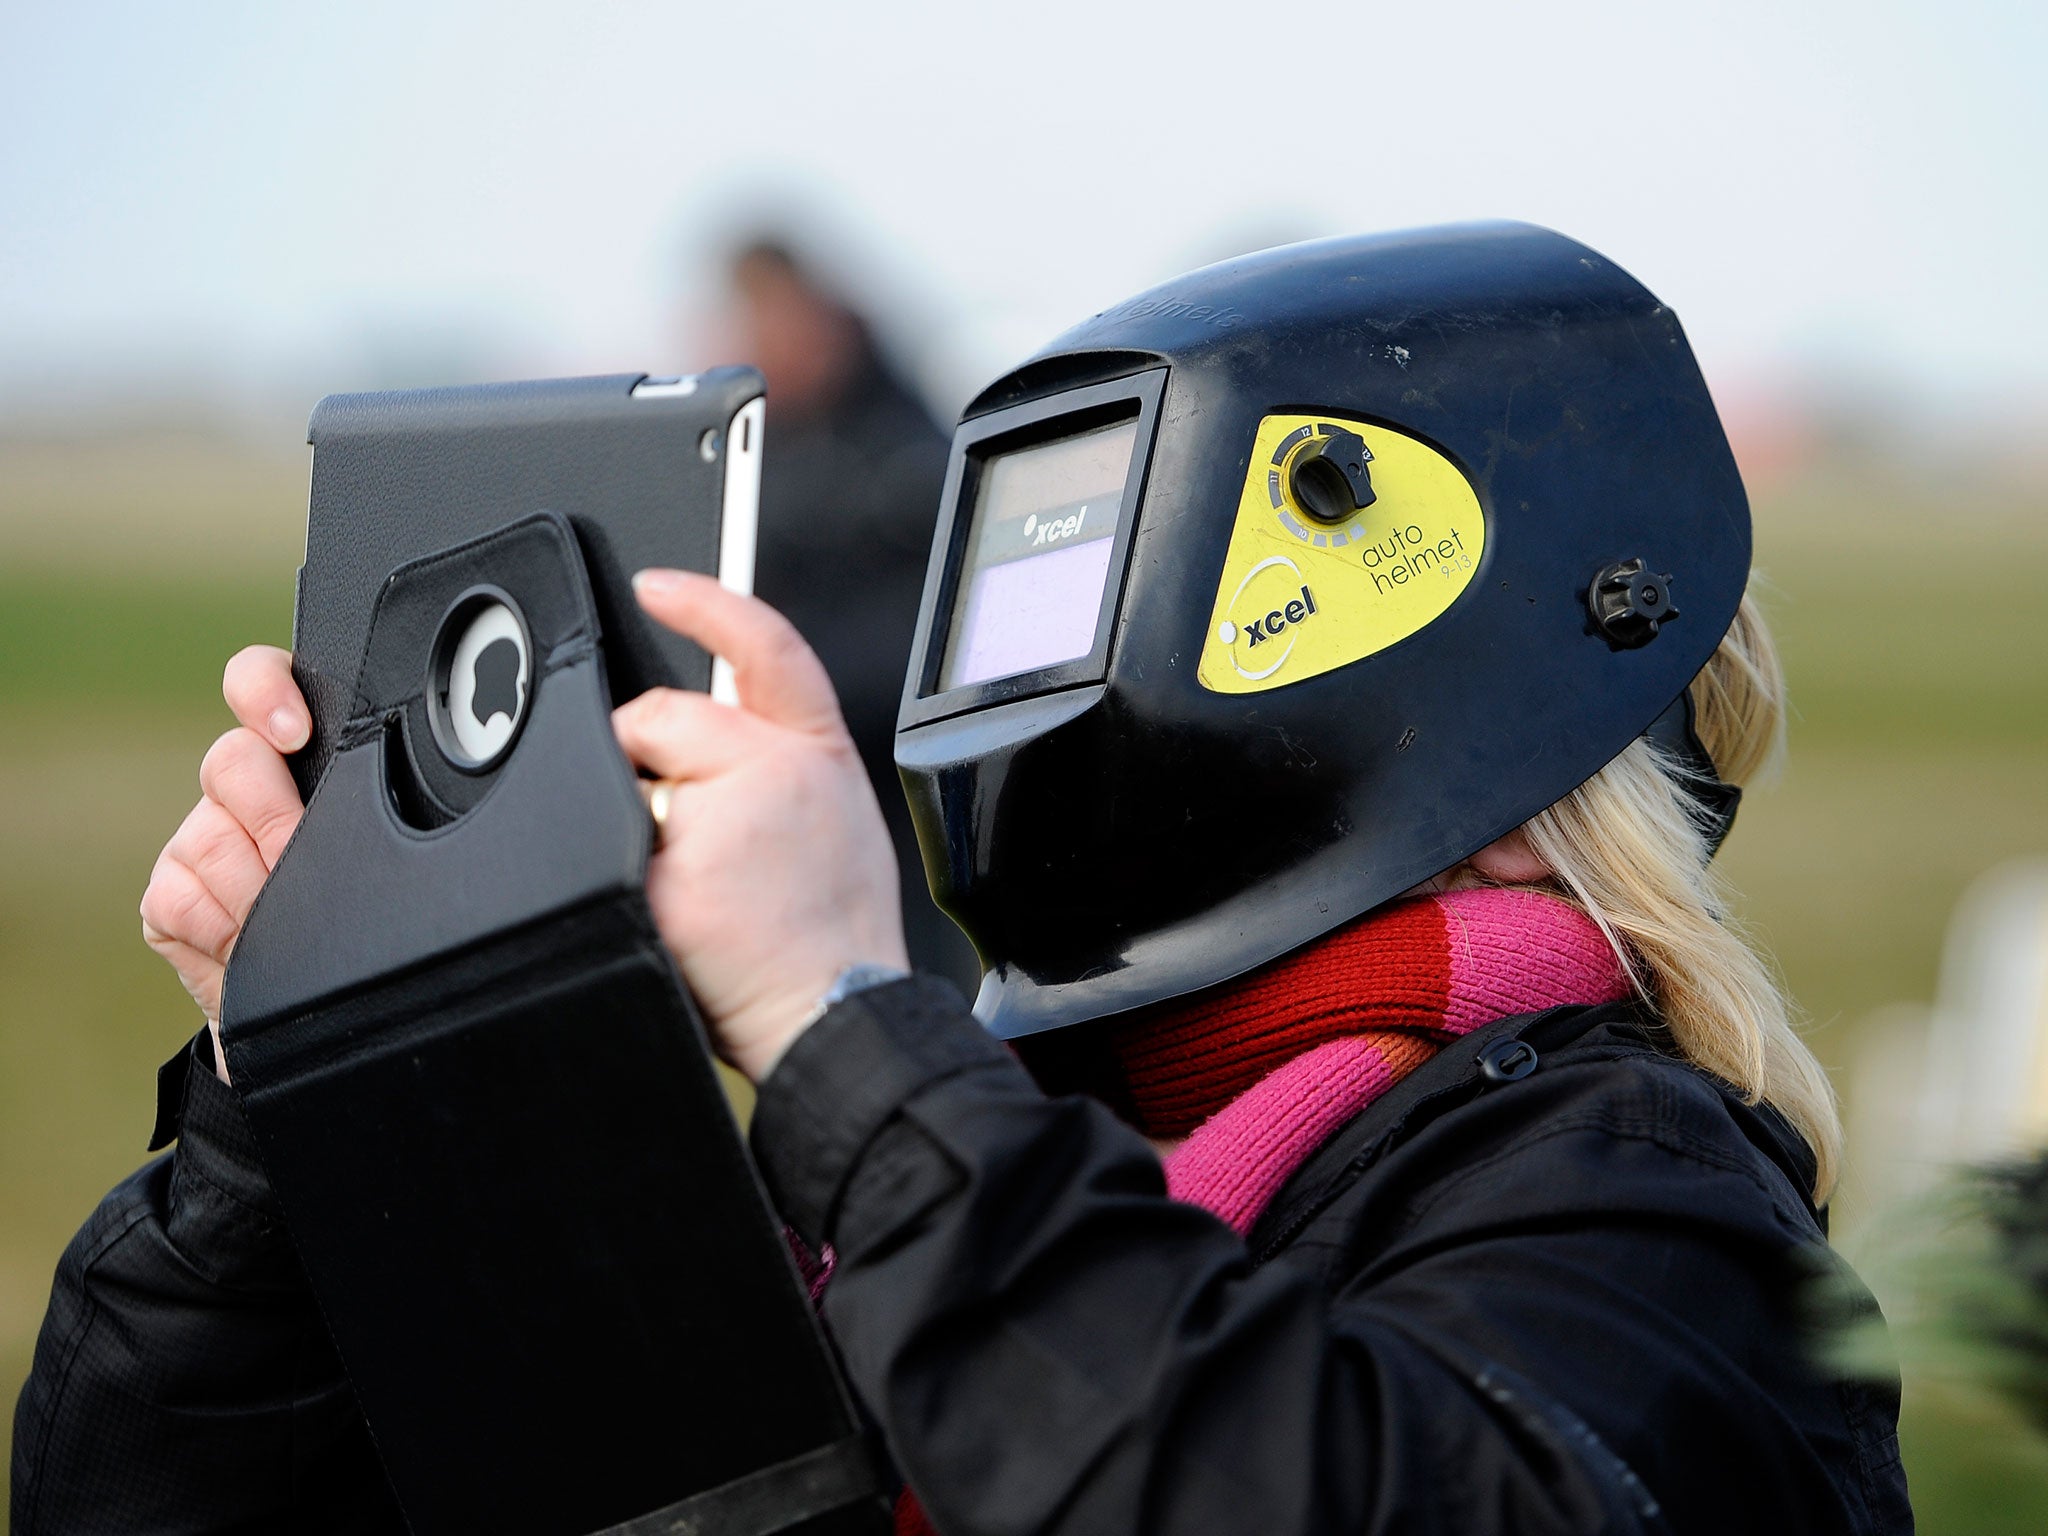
(648, 471)
(481, 1091)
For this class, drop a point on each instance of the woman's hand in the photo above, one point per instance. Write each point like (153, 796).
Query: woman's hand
(777, 872)
(208, 875)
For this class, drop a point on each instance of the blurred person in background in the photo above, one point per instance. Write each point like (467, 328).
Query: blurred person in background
(849, 493)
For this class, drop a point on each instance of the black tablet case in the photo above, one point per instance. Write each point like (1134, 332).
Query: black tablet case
(480, 1087)
(401, 474)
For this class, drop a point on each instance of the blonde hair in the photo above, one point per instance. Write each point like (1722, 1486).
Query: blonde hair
(1629, 847)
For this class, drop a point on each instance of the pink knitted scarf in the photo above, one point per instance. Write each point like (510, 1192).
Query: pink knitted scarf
(1379, 997)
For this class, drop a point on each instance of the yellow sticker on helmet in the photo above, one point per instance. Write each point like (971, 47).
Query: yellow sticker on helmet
(1302, 595)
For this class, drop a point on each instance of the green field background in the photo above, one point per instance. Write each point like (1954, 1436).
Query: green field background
(1907, 600)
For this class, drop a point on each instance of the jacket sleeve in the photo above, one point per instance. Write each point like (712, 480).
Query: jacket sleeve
(1051, 1346)
(182, 1380)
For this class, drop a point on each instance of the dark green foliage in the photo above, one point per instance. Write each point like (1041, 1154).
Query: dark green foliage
(2008, 1313)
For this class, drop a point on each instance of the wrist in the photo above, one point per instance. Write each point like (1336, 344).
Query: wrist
(848, 981)
(851, 980)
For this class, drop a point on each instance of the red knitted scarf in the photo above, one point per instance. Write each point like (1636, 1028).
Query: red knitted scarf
(1259, 1073)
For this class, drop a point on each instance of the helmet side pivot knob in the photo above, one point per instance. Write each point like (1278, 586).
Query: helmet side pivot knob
(1329, 480)
(1629, 602)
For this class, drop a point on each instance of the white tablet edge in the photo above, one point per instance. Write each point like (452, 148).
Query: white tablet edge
(739, 526)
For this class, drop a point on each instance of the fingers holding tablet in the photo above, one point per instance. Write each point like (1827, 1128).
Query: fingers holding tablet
(259, 688)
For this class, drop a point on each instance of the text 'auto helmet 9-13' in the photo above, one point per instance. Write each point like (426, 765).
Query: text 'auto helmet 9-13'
(1270, 593)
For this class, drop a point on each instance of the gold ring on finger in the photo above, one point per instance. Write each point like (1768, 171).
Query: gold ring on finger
(661, 796)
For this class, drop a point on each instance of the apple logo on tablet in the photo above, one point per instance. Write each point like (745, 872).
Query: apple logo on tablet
(497, 675)
(487, 682)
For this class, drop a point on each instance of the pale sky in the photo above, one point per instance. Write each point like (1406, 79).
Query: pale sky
(267, 201)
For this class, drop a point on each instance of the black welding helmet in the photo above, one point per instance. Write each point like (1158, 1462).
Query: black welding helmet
(1269, 594)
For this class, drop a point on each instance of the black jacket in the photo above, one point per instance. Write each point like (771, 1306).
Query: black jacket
(1569, 1303)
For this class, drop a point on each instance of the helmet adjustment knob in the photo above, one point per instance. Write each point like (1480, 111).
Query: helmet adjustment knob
(1329, 480)
(1629, 602)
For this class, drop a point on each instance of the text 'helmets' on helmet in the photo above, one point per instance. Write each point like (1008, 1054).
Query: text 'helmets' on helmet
(1272, 592)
